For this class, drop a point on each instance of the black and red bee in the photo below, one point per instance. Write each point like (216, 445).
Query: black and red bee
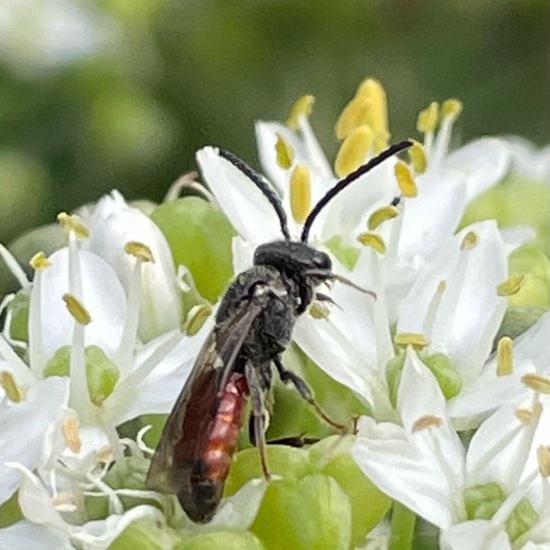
(253, 327)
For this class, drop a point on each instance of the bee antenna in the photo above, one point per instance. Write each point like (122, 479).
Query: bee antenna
(262, 185)
(350, 178)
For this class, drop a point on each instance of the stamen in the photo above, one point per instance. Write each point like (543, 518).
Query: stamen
(353, 151)
(318, 310)
(537, 382)
(140, 251)
(505, 356)
(543, 456)
(418, 157)
(427, 421)
(511, 286)
(469, 241)
(302, 107)
(14, 391)
(196, 318)
(428, 118)
(367, 238)
(285, 152)
(451, 108)
(300, 192)
(77, 310)
(405, 179)
(378, 112)
(70, 429)
(39, 261)
(73, 223)
(354, 115)
(414, 339)
(381, 215)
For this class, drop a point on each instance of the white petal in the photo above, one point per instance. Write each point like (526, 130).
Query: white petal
(431, 218)
(403, 471)
(103, 297)
(240, 509)
(245, 205)
(23, 427)
(484, 162)
(478, 534)
(528, 161)
(112, 225)
(25, 534)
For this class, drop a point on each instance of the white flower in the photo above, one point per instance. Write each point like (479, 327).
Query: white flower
(113, 224)
(423, 464)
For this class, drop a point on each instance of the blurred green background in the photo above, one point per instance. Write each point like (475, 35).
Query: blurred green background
(119, 94)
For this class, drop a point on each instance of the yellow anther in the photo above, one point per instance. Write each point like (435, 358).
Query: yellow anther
(196, 318)
(70, 428)
(300, 192)
(427, 421)
(302, 107)
(76, 309)
(505, 356)
(140, 251)
(285, 152)
(73, 223)
(418, 157)
(414, 339)
(381, 215)
(537, 382)
(469, 241)
(441, 286)
(405, 179)
(543, 456)
(354, 115)
(14, 391)
(318, 310)
(368, 238)
(427, 118)
(451, 108)
(377, 114)
(353, 151)
(525, 416)
(39, 261)
(511, 286)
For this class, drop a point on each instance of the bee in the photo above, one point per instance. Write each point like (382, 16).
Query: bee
(253, 327)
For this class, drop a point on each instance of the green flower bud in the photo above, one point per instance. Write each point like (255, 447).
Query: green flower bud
(368, 504)
(535, 266)
(19, 312)
(312, 512)
(483, 500)
(234, 540)
(343, 251)
(146, 534)
(522, 518)
(199, 236)
(447, 375)
(288, 462)
(101, 373)
(10, 511)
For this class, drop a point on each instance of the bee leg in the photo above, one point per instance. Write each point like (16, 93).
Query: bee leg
(305, 392)
(258, 416)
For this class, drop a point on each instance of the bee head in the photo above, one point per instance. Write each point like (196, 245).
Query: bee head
(295, 259)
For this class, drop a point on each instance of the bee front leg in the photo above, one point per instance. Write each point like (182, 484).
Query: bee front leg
(305, 392)
(258, 414)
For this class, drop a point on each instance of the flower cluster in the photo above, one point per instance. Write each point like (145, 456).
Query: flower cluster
(446, 366)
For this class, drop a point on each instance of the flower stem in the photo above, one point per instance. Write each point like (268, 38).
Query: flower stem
(402, 527)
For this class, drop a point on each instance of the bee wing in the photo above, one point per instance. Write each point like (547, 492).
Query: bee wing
(198, 401)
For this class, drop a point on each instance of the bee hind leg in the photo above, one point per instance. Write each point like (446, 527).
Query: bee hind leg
(258, 420)
(305, 392)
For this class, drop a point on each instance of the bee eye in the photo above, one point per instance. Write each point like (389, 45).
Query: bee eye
(322, 261)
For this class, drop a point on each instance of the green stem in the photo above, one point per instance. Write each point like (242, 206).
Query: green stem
(402, 527)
